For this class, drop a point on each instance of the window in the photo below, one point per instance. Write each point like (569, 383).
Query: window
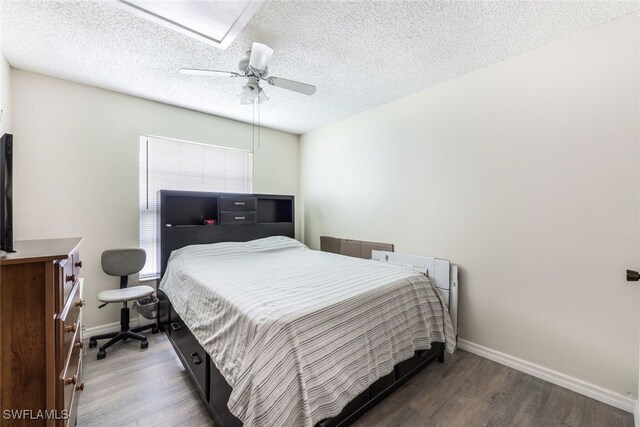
(167, 164)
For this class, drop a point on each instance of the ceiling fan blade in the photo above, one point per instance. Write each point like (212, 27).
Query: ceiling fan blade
(292, 85)
(198, 72)
(260, 55)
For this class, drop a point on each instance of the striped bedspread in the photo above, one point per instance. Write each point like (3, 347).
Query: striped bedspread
(299, 333)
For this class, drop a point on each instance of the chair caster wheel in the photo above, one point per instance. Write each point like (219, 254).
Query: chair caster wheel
(144, 344)
(102, 354)
(155, 330)
(93, 343)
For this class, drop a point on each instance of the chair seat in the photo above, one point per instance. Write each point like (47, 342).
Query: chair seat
(126, 294)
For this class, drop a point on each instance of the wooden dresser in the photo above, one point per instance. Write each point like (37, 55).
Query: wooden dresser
(40, 345)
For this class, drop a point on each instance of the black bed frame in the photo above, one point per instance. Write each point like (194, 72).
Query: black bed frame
(240, 218)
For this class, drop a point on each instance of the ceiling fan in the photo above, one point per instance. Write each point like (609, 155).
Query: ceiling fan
(254, 68)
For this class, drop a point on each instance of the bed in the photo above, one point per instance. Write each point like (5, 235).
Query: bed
(299, 334)
(226, 297)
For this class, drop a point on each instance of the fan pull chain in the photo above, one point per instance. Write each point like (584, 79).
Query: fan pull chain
(253, 140)
(255, 131)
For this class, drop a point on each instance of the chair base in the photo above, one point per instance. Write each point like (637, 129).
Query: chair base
(124, 334)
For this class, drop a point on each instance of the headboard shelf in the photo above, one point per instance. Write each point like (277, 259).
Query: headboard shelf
(275, 210)
(189, 209)
(239, 218)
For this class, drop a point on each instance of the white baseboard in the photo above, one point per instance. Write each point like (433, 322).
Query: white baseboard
(593, 391)
(134, 322)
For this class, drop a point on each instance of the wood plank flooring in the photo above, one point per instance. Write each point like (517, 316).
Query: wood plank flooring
(134, 388)
(140, 388)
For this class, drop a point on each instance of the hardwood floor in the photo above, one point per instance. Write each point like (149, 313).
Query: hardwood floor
(468, 390)
(136, 388)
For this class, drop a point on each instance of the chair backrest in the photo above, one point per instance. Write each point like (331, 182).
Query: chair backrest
(123, 262)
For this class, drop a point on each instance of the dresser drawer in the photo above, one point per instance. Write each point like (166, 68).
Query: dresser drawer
(68, 324)
(65, 280)
(65, 353)
(77, 264)
(190, 351)
(75, 399)
(70, 382)
(238, 203)
(235, 217)
(68, 274)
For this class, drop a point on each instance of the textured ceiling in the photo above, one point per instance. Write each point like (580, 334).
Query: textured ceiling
(358, 54)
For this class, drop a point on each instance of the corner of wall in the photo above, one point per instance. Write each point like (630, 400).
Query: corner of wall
(5, 95)
(300, 202)
(636, 410)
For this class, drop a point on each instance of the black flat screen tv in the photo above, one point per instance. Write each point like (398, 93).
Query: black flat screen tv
(6, 193)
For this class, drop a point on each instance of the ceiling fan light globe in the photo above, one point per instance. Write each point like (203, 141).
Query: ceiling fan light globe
(262, 97)
(248, 94)
(260, 55)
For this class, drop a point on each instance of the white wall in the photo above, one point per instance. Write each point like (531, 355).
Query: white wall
(636, 411)
(526, 174)
(76, 166)
(5, 96)
(5, 88)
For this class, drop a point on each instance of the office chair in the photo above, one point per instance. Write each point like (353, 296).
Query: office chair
(123, 263)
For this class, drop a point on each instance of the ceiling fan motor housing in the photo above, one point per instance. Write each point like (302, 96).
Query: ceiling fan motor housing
(249, 71)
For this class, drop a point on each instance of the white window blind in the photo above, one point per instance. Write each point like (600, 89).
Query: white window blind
(167, 164)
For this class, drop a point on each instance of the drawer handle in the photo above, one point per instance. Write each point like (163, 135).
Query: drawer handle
(71, 328)
(71, 278)
(78, 264)
(196, 358)
(238, 217)
(72, 380)
(80, 303)
(175, 326)
(79, 344)
(80, 387)
(239, 203)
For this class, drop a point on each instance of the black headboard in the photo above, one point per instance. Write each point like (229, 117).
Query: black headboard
(238, 218)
